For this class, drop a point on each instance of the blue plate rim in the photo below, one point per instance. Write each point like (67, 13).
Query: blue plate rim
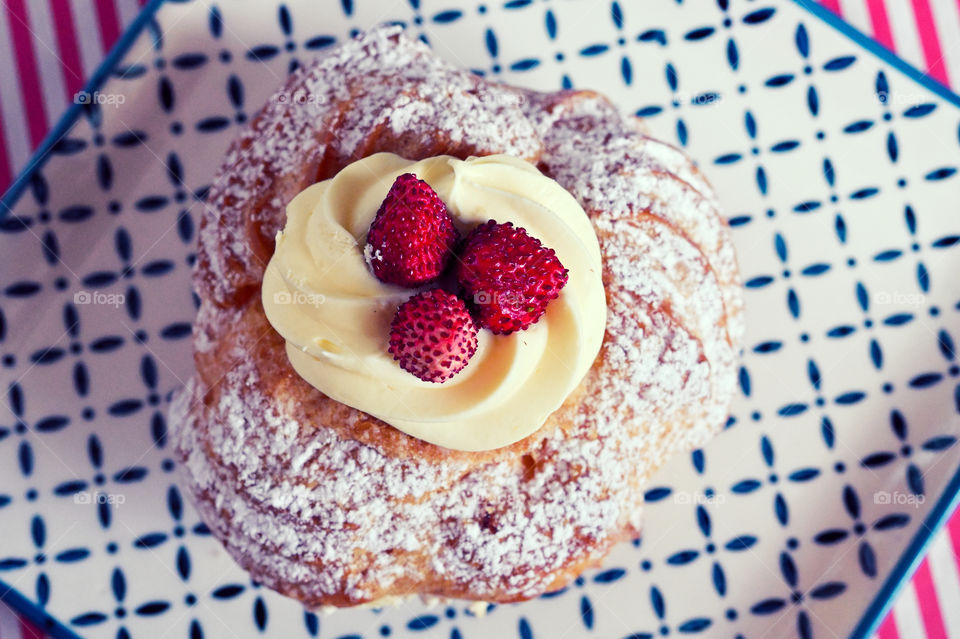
(950, 497)
(902, 570)
(74, 111)
(34, 613)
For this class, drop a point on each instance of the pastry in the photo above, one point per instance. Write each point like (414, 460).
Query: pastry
(383, 485)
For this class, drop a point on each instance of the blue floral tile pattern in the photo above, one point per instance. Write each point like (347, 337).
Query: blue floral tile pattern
(838, 173)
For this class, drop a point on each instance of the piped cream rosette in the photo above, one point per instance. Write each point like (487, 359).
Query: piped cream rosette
(320, 295)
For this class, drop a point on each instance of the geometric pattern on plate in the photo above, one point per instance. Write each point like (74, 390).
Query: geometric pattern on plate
(787, 524)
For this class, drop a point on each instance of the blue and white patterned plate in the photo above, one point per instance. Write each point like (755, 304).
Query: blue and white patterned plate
(839, 173)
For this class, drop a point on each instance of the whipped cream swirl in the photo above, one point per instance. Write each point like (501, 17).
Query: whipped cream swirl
(320, 295)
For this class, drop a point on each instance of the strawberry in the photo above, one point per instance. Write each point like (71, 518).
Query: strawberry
(412, 237)
(433, 335)
(509, 275)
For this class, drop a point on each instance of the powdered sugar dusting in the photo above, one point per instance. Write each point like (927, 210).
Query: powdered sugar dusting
(328, 505)
(593, 152)
(330, 113)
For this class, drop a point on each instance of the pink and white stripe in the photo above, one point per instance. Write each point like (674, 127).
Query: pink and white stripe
(57, 44)
(14, 627)
(925, 33)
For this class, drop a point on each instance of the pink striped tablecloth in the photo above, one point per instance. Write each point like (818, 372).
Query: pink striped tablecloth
(57, 44)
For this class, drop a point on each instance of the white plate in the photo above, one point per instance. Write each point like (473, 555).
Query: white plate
(806, 512)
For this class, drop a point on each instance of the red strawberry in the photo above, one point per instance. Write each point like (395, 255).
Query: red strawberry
(433, 336)
(510, 276)
(412, 237)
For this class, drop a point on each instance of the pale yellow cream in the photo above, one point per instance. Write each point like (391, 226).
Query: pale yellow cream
(321, 296)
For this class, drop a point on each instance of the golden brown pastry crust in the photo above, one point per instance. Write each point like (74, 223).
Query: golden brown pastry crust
(331, 506)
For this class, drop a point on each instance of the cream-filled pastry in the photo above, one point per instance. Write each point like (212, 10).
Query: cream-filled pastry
(361, 424)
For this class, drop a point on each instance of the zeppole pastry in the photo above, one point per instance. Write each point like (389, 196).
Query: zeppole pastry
(447, 330)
